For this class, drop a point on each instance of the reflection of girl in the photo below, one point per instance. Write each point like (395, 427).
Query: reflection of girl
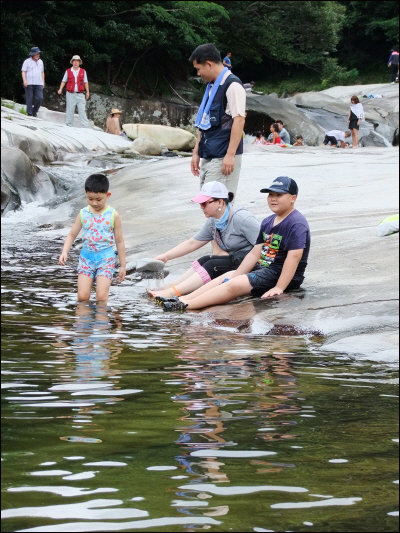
(354, 119)
(232, 230)
(259, 139)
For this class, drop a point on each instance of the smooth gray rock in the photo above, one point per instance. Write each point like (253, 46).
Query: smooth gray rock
(24, 179)
(294, 119)
(147, 146)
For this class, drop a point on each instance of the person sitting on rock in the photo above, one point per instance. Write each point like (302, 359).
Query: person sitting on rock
(335, 136)
(274, 136)
(259, 140)
(248, 86)
(299, 141)
(283, 133)
(233, 232)
(275, 264)
(113, 123)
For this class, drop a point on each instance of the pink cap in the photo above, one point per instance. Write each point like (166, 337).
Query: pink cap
(212, 189)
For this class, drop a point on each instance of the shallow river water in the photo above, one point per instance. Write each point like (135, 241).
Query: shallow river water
(124, 418)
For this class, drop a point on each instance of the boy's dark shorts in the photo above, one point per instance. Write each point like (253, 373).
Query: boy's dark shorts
(330, 139)
(262, 279)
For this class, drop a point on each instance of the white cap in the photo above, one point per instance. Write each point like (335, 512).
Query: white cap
(212, 189)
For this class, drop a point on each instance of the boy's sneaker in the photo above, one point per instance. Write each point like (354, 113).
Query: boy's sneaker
(159, 300)
(174, 306)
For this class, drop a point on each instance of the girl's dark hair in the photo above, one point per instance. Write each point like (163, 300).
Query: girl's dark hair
(206, 52)
(276, 127)
(395, 48)
(228, 200)
(355, 99)
(97, 183)
(258, 134)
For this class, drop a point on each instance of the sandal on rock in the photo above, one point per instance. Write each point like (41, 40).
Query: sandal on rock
(174, 306)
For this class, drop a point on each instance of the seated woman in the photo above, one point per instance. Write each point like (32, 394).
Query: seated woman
(232, 230)
(259, 140)
(274, 136)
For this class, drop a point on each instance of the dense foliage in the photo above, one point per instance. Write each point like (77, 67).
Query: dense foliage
(144, 45)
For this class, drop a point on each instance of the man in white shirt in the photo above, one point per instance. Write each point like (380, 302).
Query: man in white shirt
(33, 78)
(335, 136)
(217, 155)
(76, 81)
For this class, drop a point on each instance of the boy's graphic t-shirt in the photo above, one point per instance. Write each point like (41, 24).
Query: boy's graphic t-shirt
(293, 233)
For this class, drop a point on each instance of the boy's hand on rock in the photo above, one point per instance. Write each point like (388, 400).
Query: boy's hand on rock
(62, 259)
(162, 258)
(121, 274)
(276, 291)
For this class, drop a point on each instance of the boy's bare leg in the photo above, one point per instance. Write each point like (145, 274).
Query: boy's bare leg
(84, 287)
(103, 285)
(207, 287)
(239, 286)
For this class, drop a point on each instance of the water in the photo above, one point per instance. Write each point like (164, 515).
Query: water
(125, 418)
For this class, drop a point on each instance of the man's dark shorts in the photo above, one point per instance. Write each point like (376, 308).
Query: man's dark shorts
(330, 139)
(262, 279)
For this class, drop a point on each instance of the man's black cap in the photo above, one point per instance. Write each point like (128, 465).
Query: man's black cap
(283, 185)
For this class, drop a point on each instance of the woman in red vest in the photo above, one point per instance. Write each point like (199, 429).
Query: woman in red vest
(75, 79)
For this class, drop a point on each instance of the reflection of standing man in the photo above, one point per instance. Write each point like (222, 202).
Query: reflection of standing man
(227, 60)
(217, 155)
(75, 79)
(33, 78)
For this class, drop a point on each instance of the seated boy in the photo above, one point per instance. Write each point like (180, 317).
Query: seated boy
(299, 141)
(276, 263)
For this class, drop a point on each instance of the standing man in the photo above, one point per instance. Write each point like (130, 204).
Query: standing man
(33, 79)
(76, 80)
(227, 61)
(283, 133)
(393, 63)
(217, 155)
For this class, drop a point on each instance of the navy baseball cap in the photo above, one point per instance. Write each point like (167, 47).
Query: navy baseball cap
(283, 185)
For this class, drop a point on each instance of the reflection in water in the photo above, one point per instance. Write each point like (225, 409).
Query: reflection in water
(204, 422)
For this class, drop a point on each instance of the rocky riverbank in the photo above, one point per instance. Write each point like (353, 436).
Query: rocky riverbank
(351, 287)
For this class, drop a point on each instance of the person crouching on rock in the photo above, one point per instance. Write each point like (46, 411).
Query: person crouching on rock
(275, 264)
(334, 137)
(113, 123)
(75, 79)
(233, 232)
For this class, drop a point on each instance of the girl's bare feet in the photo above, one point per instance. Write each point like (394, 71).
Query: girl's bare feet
(167, 293)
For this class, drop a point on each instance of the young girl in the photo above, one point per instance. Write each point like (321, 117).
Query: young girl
(101, 230)
(259, 140)
(274, 137)
(354, 119)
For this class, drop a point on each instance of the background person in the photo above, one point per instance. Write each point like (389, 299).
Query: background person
(299, 141)
(259, 139)
(233, 232)
(393, 63)
(274, 137)
(283, 133)
(217, 155)
(33, 78)
(335, 136)
(354, 119)
(76, 81)
(113, 123)
(227, 60)
(248, 86)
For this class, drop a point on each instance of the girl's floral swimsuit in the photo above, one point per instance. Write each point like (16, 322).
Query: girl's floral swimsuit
(97, 256)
